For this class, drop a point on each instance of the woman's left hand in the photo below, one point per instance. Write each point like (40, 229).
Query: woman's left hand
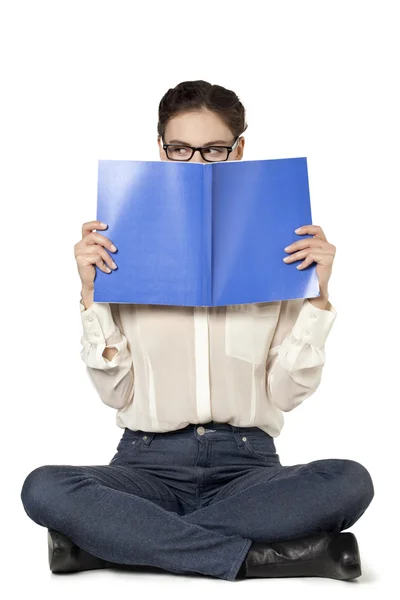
(316, 249)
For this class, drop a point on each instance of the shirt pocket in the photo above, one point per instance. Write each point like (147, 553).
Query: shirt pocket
(249, 329)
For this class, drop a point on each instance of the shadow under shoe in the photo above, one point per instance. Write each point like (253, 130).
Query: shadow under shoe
(328, 554)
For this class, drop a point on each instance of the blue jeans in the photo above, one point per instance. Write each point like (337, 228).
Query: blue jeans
(193, 500)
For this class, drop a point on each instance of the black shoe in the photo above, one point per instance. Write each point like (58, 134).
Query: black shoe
(334, 555)
(65, 556)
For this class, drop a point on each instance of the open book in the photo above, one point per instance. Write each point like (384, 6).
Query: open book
(195, 234)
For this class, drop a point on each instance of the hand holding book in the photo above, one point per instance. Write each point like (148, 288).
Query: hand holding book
(91, 251)
(316, 249)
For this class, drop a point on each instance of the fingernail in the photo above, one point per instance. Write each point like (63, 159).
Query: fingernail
(113, 248)
(287, 248)
(103, 225)
(287, 258)
(114, 265)
(297, 230)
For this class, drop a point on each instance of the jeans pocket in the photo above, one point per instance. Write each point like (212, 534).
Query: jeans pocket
(128, 446)
(262, 448)
(249, 329)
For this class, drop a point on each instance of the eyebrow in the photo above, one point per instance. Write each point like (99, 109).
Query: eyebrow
(224, 142)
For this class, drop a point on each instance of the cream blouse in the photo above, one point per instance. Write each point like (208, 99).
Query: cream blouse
(240, 364)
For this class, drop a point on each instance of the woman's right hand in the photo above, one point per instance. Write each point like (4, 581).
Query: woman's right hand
(91, 251)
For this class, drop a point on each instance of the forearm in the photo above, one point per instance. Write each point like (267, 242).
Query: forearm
(295, 364)
(289, 386)
(105, 351)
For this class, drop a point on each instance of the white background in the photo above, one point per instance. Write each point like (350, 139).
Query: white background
(82, 80)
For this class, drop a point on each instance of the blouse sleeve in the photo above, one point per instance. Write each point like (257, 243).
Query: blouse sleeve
(297, 353)
(113, 379)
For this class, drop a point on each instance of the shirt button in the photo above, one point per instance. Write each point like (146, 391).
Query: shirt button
(201, 430)
(97, 334)
(313, 316)
(90, 318)
(244, 438)
(145, 437)
(307, 333)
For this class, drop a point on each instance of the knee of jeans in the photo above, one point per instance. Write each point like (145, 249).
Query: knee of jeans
(361, 481)
(34, 491)
(353, 479)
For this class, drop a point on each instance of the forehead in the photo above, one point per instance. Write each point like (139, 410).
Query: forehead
(197, 128)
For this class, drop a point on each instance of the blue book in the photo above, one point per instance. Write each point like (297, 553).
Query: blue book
(195, 234)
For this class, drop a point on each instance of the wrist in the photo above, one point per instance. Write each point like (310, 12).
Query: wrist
(322, 301)
(87, 293)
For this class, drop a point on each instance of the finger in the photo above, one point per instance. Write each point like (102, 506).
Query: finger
(98, 252)
(94, 254)
(101, 264)
(306, 243)
(99, 239)
(300, 255)
(91, 225)
(303, 253)
(314, 230)
(320, 258)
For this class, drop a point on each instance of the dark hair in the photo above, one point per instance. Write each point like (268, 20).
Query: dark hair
(194, 95)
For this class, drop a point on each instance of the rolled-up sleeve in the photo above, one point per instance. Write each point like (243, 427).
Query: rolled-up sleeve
(113, 379)
(295, 362)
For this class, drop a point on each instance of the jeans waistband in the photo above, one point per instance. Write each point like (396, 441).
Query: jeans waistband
(210, 431)
(219, 427)
(224, 429)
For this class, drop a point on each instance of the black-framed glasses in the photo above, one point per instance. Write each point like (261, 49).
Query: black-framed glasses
(208, 153)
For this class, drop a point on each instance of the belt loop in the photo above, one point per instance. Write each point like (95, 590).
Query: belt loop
(237, 436)
(147, 437)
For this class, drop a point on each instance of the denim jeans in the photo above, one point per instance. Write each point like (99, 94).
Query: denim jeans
(192, 501)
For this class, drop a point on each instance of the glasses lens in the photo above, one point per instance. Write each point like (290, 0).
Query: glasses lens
(179, 152)
(214, 153)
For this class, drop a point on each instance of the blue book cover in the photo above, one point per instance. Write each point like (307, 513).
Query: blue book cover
(203, 234)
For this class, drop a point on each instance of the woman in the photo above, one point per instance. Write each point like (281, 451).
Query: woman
(196, 485)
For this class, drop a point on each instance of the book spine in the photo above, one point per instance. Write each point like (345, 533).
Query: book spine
(307, 187)
(207, 236)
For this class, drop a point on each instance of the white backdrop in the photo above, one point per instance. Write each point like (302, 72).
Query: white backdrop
(81, 80)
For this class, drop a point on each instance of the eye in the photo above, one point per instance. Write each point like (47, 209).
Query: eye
(215, 150)
(180, 150)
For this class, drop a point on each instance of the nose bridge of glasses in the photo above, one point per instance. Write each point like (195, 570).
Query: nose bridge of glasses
(198, 155)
